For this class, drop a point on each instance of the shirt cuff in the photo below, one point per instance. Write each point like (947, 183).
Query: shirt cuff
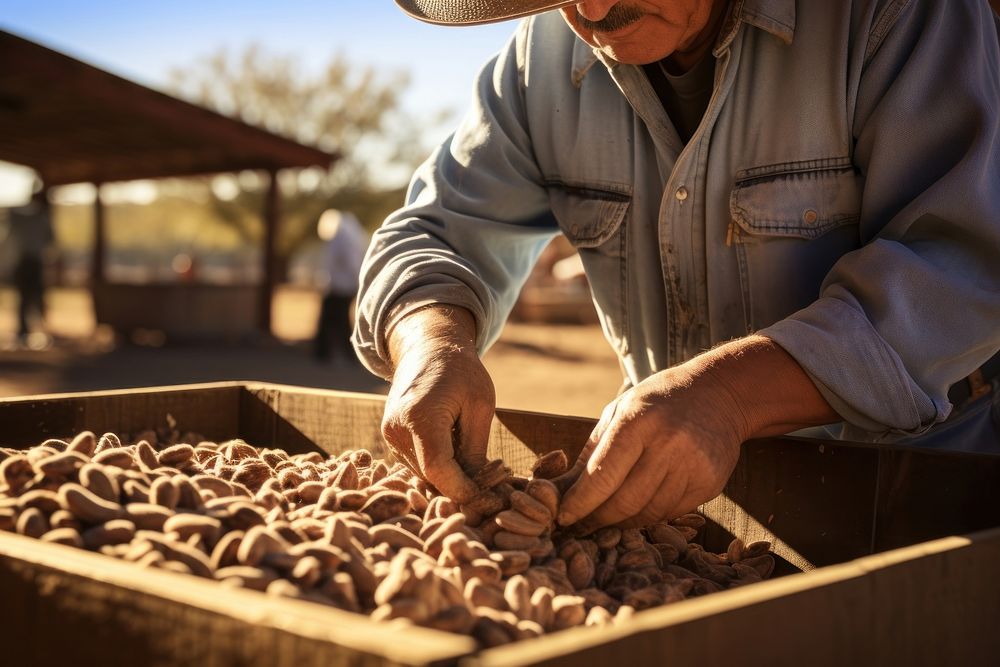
(855, 370)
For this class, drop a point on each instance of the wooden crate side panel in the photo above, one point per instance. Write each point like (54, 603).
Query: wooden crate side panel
(63, 606)
(930, 604)
(297, 419)
(923, 495)
(519, 438)
(209, 410)
(813, 501)
(301, 420)
(938, 610)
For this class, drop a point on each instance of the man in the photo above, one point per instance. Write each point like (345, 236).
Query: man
(814, 241)
(31, 233)
(343, 251)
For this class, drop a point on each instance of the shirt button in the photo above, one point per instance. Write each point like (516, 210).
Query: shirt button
(810, 216)
(681, 194)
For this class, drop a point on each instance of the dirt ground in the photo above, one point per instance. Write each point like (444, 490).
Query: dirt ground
(562, 369)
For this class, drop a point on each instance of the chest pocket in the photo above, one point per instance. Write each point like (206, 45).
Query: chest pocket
(593, 219)
(790, 223)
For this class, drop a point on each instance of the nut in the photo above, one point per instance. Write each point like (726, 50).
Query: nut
(531, 508)
(96, 479)
(116, 531)
(147, 516)
(68, 536)
(581, 570)
(491, 474)
(550, 466)
(85, 442)
(32, 523)
(385, 505)
(86, 506)
(360, 534)
(62, 464)
(513, 521)
(546, 493)
(117, 457)
(164, 492)
(146, 455)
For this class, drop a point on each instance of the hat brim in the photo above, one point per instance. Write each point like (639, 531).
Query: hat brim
(476, 12)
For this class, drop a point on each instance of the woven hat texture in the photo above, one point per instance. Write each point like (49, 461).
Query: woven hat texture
(472, 12)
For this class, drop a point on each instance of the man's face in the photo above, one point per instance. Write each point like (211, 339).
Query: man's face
(639, 32)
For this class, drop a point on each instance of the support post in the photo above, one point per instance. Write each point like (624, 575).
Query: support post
(97, 257)
(272, 214)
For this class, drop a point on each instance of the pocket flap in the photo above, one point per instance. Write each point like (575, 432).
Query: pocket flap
(588, 216)
(802, 199)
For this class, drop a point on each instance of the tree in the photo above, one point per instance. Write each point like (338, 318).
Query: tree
(344, 108)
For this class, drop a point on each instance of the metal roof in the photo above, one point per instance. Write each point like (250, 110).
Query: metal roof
(73, 122)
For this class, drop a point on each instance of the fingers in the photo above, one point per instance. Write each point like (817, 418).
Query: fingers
(566, 480)
(436, 463)
(399, 439)
(607, 414)
(666, 503)
(438, 418)
(430, 454)
(473, 436)
(406, 457)
(641, 489)
(603, 476)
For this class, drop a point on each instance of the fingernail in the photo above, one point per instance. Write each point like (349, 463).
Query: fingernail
(564, 519)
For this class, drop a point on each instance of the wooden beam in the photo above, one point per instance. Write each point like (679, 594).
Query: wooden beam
(272, 214)
(112, 169)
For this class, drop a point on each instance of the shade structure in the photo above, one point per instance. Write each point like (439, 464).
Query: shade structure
(73, 122)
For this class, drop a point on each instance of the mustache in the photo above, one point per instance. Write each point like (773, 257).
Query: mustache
(618, 17)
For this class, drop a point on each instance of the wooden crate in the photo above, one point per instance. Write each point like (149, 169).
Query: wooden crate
(932, 599)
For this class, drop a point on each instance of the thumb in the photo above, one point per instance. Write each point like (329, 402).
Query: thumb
(604, 474)
(472, 437)
(564, 481)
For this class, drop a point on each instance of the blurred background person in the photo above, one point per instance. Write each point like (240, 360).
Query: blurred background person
(344, 249)
(30, 232)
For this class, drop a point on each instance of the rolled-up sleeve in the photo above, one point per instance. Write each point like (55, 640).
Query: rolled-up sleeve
(477, 217)
(917, 307)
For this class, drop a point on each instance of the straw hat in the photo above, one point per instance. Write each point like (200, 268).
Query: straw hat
(472, 12)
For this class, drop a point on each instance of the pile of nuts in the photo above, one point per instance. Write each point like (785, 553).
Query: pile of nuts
(360, 534)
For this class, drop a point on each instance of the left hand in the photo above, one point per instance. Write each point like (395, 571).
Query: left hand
(671, 442)
(662, 448)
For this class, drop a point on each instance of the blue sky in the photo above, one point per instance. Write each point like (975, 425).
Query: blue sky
(143, 40)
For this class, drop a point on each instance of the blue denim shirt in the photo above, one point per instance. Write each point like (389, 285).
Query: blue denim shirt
(841, 196)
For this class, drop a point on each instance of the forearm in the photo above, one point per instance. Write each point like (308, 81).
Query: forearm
(767, 392)
(429, 328)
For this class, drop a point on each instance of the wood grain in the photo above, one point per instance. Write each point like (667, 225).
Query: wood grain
(67, 606)
(822, 503)
(931, 604)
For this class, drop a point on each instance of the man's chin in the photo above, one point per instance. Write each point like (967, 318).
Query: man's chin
(630, 54)
(626, 46)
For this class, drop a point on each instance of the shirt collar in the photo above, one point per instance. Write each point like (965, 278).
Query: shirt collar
(774, 16)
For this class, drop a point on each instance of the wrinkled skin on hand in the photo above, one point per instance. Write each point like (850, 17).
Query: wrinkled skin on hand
(441, 402)
(670, 443)
(662, 448)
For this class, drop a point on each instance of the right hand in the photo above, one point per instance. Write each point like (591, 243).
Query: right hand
(441, 402)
